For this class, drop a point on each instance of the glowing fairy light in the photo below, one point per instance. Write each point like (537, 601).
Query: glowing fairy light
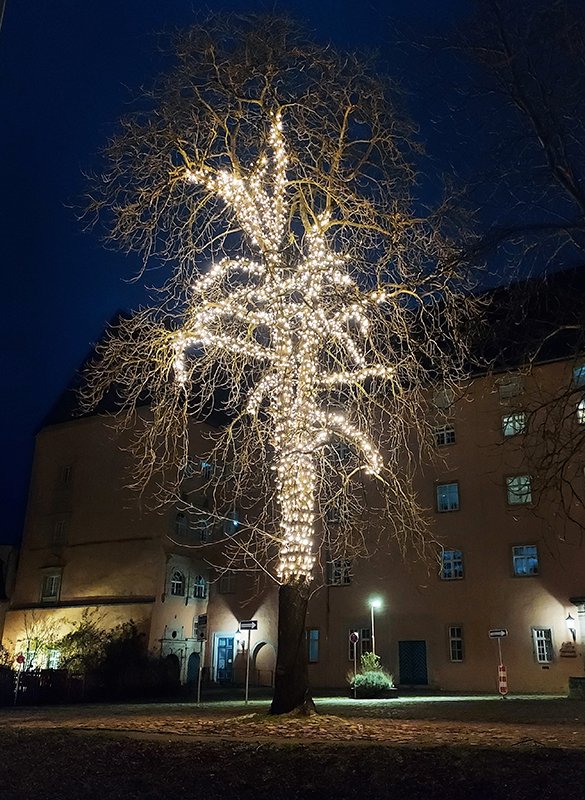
(305, 312)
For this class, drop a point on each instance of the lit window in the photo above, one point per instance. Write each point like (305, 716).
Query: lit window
(525, 560)
(452, 566)
(313, 643)
(456, 643)
(231, 522)
(364, 644)
(340, 572)
(512, 424)
(543, 645)
(51, 587)
(448, 497)
(227, 583)
(581, 412)
(444, 435)
(199, 588)
(519, 490)
(178, 584)
(579, 376)
(509, 386)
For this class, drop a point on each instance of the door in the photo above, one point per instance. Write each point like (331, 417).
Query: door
(225, 659)
(412, 663)
(193, 668)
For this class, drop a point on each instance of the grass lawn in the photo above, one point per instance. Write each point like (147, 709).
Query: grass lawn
(47, 764)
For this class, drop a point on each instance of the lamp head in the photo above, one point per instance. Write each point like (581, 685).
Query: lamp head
(375, 602)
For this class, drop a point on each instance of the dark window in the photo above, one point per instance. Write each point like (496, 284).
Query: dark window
(313, 644)
(448, 497)
(178, 584)
(525, 560)
(456, 643)
(452, 566)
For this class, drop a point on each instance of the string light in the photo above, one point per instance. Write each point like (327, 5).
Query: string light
(285, 320)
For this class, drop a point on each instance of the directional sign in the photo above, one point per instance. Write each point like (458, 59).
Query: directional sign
(500, 633)
(249, 625)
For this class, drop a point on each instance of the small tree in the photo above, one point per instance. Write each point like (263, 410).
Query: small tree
(307, 298)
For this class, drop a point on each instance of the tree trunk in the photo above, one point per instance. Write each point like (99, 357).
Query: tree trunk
(291, 683)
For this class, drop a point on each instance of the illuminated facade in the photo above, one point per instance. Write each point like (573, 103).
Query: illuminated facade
(511, 561)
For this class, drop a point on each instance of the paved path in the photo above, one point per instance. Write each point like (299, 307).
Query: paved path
(487, 722)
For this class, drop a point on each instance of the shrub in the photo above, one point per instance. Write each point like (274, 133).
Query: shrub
(372, 683)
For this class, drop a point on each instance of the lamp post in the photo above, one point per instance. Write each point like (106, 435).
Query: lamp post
(572, 626)
(375, 602)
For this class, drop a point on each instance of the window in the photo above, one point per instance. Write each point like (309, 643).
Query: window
(181, 525)
(340, 572)
(445, 434)
(199, 588)
(444, 398)
(512, 424)
(581, 412)
(543, 645)
(456, 643)
(509, 386)
(525, 560)
(313, 645)
(231, 522)
(579, 376)
(227, 583)
(452, 566)
(51, 587)
(66, 474)
(364, 644)
(178, 584)
(202, 529)
(59, 537)
(53, 658)
(337, 510)
(207, 470)
(519, 490)
(448, 497)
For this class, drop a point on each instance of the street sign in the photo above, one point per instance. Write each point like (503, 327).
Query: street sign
(202, 619)
(20, 659)
(202, 628)
(354, 637)
(500, 633)
(249, 625)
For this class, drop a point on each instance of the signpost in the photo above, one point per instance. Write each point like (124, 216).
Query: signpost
(201, 637)
(248, 625)
(20, 661)
(499, 634)
(354, 638)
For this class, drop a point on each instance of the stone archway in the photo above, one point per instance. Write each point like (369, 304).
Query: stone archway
(263, 664)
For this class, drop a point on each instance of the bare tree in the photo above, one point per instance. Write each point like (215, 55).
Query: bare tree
(307, 300)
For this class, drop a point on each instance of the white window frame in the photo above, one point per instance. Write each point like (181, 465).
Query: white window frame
(51, 587)
(543, 645)
(449, 507)
(340, 572)
(59, 536)
(520, 557)
(444, 435)
(456, 648)
(177, 584)
(519, 490)
(227, 583)
(199, 588)
(513, 424)
(452, 561)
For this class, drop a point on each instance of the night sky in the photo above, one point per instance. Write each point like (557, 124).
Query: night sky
(68, 69)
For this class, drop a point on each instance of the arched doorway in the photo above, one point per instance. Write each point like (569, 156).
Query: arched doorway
(263, 664)
(193, 668)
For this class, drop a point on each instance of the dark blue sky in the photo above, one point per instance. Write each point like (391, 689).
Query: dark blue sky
(67, 71)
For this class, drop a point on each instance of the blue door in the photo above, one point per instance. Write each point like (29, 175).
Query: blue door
(412, 663)
(225, 659)
(193, 668)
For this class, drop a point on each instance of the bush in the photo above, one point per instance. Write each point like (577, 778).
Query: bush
(371, 684)
(372, 681)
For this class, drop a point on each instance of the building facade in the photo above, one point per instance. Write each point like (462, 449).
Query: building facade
(508, 559)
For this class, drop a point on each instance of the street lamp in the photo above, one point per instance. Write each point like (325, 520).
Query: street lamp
(572, 626)
(375, 602)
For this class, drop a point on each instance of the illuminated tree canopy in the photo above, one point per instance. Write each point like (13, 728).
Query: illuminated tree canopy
(275, 178)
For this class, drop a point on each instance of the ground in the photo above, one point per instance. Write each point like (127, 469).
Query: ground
(440, 746)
